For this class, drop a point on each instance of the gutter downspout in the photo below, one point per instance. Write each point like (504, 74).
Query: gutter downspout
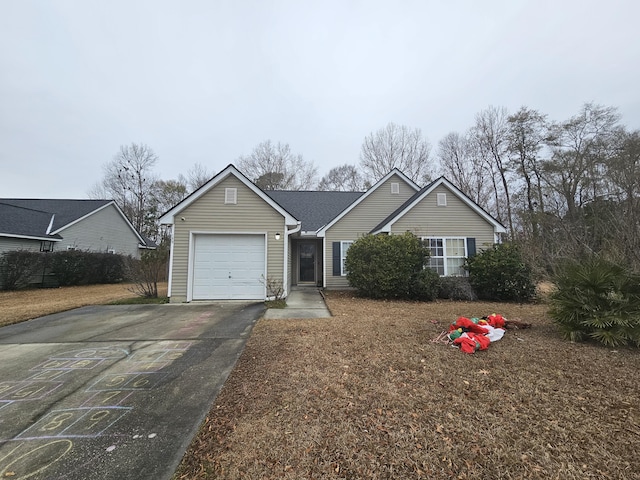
(286, 254)
(170, 273)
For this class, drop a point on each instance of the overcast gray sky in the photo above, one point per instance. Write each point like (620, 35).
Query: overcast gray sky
(206, 81)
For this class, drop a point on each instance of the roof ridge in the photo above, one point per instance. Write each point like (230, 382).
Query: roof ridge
(315, 191)
(25, 208)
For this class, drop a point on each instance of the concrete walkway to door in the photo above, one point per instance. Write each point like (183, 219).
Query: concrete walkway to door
(302, 302)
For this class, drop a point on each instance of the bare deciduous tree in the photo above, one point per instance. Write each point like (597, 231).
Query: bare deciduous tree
(274, 167)
(491, 134)
(345, 178)
(396, 146)
(196, 176)
(129, 179)
(460, 164)
(527, 135)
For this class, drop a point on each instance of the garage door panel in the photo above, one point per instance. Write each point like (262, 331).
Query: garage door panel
(228, 266)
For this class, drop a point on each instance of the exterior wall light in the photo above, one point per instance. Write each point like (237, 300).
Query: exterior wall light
(278, 236)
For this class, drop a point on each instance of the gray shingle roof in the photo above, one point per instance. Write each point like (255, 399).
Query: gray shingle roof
(313, 209)
(66, 211)
(26, 222)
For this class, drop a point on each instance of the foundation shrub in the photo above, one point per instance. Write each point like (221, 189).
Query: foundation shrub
(456, 288)
(391, 267)
(500, 273)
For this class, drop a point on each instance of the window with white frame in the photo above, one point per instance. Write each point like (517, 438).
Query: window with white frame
(344, 246)
(447, 255)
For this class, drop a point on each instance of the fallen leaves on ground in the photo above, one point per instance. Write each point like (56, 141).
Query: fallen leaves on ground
(367, 395)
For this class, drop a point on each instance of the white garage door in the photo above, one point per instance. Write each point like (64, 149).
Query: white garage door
(227, 267)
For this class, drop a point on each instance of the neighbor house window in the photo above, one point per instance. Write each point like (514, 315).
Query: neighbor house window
(71, 248)
(230, 195)
(447, 255)
(344, 246)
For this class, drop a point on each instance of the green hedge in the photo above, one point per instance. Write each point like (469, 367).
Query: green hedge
(22, 268)
(87, 268)
(18, 267)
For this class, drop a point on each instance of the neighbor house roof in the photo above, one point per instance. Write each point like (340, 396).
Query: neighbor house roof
(313, 209)
(385, 225)
(66, 211)
(60, 214)
(21, 222)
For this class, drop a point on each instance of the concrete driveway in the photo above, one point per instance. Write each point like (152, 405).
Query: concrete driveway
(113, 392)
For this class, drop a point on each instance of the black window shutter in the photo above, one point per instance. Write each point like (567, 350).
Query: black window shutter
(337, 264)
(471, 247)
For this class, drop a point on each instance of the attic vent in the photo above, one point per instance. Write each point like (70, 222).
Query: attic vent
(442, 199)
(395, 188)
(230, 196)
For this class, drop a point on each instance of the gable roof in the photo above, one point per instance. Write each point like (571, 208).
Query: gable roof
(61, 214)
(360, 199)
(385, 225)
(168, 217)
(314, 209)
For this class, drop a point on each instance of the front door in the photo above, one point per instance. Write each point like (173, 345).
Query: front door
(307, 262)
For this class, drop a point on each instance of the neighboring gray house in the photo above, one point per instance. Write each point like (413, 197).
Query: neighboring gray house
(53, 225)
(229, 235)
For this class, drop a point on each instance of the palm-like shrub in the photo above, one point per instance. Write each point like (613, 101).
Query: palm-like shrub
(597, 299)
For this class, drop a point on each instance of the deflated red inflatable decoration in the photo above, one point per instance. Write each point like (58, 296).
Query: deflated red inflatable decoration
(476, 334)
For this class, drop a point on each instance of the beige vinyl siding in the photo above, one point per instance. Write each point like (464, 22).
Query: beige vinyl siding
(456, 219)
(100, 232)
(8, 244)
(361, 220)
(210, 214)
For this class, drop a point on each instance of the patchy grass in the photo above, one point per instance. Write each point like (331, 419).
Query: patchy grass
(368, 395)
(275, 303)
(140, 301)
(18, 306)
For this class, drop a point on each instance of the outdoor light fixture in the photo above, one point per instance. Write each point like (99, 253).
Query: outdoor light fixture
(278, 236)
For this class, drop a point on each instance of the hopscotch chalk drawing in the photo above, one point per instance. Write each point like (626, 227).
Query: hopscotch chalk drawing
(101, 406)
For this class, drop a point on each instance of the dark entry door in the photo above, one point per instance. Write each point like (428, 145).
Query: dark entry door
(307, 262)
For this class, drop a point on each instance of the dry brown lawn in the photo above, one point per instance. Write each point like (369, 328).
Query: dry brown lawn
(21, 305)
(367, 395)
